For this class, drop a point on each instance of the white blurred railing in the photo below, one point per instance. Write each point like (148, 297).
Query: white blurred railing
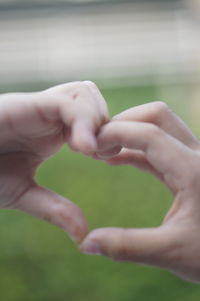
(118, 43)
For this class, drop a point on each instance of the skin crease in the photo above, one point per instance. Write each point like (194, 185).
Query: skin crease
(154, 139)
(34, 126)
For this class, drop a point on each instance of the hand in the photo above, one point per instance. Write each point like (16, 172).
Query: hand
(34, 126)
(156, 140)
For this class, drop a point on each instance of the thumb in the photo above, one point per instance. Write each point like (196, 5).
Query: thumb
(49, 206)
(148, 246)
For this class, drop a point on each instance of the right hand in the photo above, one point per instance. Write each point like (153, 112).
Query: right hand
(154, 139)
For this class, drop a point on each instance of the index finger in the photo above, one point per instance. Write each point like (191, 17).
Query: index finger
(82, 109)
(160, 114)
(165, 153)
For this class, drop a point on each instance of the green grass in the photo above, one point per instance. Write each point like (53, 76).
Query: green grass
(39, 262)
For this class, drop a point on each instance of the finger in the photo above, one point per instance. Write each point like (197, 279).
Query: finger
(161, 115)
(153, 246)
(108, 153)
(80, 108)
(82, 123)
(83, 137)
(166, 154)
(134, 158)
(100, 101)
(91, 113)
(55, 209)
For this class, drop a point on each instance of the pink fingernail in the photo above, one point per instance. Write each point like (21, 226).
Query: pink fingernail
(90, 247)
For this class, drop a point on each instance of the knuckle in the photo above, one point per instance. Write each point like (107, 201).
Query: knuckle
(119, 248)
(90, 84)
(121, 254)
(81, 87)
(75, 90)
(77, 86)
(153, 130)
(152, 134)
(160, 108)
(172, 254)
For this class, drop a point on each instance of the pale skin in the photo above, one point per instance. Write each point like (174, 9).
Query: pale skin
(154, 139)
(34, 126)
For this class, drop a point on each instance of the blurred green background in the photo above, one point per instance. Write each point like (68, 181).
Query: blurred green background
(137, 52)
(39, 262)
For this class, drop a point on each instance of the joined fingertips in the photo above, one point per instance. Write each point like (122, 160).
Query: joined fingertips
(83, 137)
(151, 140)
(109, 153)
(92, 243)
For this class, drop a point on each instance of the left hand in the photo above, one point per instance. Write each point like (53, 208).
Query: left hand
(34, 126)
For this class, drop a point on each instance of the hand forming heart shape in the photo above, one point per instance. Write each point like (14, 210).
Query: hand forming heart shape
(155, 140)
(34, 126)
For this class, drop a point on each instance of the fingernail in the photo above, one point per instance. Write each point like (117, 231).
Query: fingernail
(102, 156)
(90, 247)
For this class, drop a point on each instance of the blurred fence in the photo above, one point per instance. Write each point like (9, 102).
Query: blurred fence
(117, 42)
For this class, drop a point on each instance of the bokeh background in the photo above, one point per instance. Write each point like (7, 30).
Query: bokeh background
(137, 52)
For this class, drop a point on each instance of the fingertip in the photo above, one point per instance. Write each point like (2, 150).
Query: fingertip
(79, 233)
(91, 245)
(90, 248)
(84, 143)
(83, 137)
(77, 230)
(106, 154)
